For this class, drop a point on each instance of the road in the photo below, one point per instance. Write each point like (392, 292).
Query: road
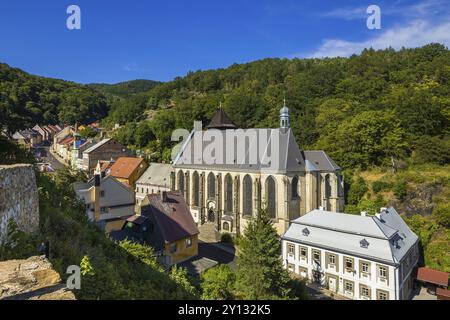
(47, 157)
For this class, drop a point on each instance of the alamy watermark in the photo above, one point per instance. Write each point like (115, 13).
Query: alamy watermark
(73, 22)
(247, 147)
(374, 20)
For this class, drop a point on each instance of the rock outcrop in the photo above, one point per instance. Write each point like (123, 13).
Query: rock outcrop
(31, 279)
(19, 199)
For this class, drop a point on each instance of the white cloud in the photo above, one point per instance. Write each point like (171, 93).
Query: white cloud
(347, 14)
(415, 34)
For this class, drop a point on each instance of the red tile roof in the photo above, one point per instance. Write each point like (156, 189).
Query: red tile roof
(67, 141)
(433, 276)
(443, 292)
(125, 166)
(172, 216)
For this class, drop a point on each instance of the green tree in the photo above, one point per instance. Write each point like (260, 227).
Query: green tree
(218, 283)
(260, 273)
(86, 268)
(442, 214)
(357, 191)
(181, 278)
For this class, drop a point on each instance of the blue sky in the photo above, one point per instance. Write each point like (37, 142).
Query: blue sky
(124, 40)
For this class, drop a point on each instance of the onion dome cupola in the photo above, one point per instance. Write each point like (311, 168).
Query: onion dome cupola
(284, 117)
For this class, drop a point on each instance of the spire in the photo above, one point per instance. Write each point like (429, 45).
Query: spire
(221, 120)
(284, 116)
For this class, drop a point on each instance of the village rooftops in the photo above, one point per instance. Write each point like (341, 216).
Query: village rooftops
(384, 237)
(125, 166)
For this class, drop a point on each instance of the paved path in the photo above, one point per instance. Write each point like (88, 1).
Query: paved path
(209, 255)
(46, 156)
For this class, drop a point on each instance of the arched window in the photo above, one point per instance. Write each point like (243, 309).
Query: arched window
(181, 181)
(211, 185)
(247, 196)
(327, 186)
(271, 197)
(294, 188)
(228, 194)
(195, 189)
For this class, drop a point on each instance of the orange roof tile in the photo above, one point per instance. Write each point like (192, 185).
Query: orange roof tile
(67, 141)
(125, 166)
(433, 276)
(443, 292)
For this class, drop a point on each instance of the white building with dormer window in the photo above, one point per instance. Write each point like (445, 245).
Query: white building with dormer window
(356, 256)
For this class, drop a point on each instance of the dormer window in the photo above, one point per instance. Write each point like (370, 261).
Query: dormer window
(305, 232)
(364, 243)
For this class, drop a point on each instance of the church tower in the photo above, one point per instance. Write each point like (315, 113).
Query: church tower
(284, 117)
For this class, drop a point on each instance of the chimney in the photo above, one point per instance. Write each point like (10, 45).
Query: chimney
(164, 196)
(383, 209)
(97, 183)
(363, 213)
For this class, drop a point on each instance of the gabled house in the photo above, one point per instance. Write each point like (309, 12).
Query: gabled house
(108, 202)
(40, 129)
(60, 136)
(164, 222)
(79, 146)
(28, 137)
(128, 170)
(107, 149)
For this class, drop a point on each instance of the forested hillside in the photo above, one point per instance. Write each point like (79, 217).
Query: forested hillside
(125, 89)
(26, 100)
(372, 109)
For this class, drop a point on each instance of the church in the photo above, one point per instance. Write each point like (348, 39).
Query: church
(264, 169)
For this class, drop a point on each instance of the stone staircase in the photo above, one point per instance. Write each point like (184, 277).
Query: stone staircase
(208, 233)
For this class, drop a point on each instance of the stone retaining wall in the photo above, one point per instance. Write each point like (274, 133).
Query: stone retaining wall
(19, 198)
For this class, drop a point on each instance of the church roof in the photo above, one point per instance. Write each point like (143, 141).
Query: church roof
(220, 120)
(287, 158)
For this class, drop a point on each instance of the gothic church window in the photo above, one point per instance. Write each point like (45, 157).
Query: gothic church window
(247, 195)
(211, 185)
(271, 196)
(228, 194)
(195, 189)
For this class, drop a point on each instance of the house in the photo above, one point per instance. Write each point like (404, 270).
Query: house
(356, 256)
(78, 148)
(61, 135)
(52, 130)
(28, 137)
(128, 170)
(154, 180)
(107, 149)
(44, 133)
(226, 192)
(108, 202)
(164, 222)
(63, 146)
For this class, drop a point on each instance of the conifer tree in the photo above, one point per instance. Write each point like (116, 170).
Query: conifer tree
(260, 273)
